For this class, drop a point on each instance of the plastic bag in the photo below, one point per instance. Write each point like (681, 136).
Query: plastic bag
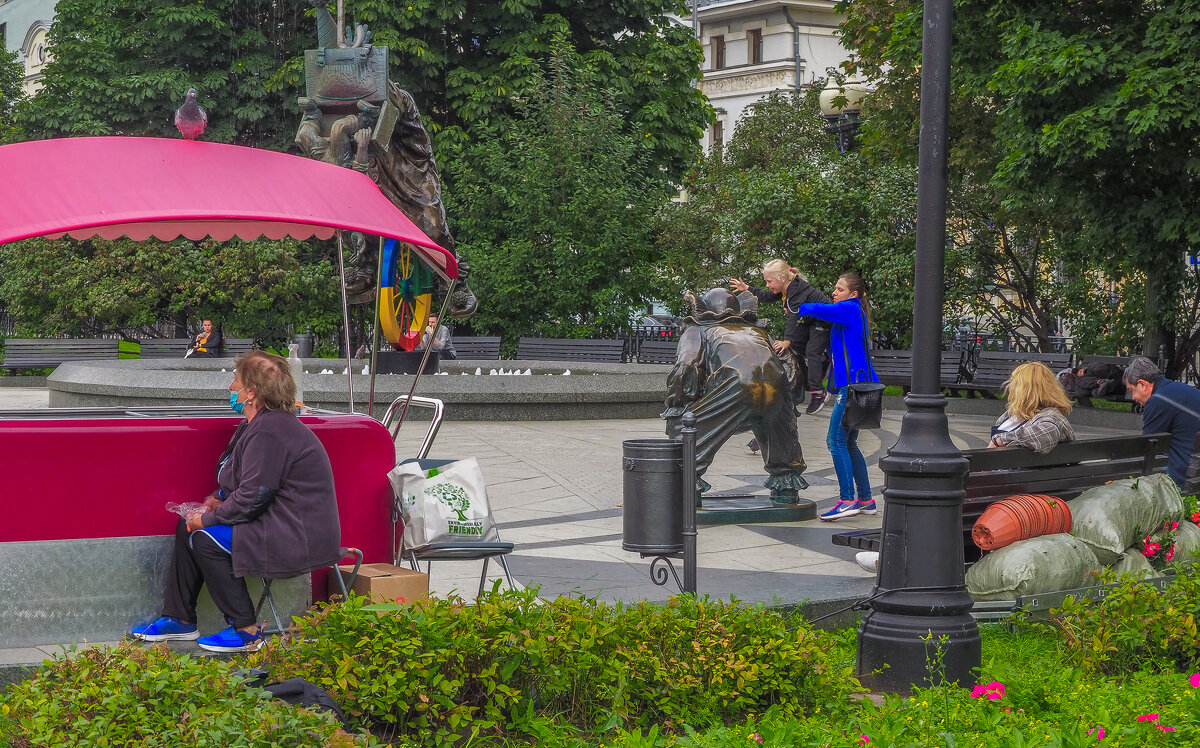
(1133, 562)
(1029, 567)
(1111, 518)
(447, 503)
(185, 509)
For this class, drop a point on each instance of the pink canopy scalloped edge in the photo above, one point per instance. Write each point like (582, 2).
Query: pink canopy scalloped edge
(110, 187)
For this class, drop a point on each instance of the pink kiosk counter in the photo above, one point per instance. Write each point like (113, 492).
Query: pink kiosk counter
(85, 536)
(84, 532)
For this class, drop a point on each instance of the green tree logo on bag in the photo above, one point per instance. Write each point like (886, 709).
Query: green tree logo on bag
(459, 502)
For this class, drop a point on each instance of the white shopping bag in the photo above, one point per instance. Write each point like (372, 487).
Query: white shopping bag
(442, 504)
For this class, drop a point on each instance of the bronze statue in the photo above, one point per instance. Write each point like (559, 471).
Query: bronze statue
(726, 373)
(355, 117)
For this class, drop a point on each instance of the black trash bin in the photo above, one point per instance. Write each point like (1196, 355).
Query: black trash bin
(653, 498)
(305, 341)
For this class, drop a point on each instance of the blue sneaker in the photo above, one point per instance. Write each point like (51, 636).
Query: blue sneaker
(841, 509)
(232, 640)
(865, 507)
(164, 629)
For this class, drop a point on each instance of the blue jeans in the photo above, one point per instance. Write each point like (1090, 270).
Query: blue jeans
(848, 461)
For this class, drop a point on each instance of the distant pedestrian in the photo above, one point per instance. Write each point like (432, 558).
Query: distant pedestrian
(1172, 407)
(804, 338)
(208, 341)
(440, 336)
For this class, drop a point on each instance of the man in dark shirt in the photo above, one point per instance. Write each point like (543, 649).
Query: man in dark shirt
(1173, 407)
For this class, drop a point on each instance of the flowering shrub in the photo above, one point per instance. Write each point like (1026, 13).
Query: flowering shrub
(1159, 546)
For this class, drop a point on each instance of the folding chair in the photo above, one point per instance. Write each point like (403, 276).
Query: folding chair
(268, 598)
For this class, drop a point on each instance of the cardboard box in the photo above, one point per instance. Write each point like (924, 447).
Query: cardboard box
(384, 582)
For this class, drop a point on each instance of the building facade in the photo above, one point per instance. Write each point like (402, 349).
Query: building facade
(753, 48)
(23, 28)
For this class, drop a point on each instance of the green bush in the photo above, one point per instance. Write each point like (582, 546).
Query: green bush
(517, 666)
(130, 696)
(1134, 627)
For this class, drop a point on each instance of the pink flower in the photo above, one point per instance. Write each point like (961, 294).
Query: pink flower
(1174, 525)
(1099, 731)
(992, 691)
(1148, 718)
(756, 736)
(1150, 549)
(1195, 680)
(863, 740)
(1164, 728)
(1171, 553)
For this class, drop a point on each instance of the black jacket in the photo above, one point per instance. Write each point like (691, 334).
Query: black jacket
(798, 292)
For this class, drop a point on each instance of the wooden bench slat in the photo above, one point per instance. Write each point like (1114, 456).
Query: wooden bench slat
(658, 351)
(164, 347)
(41, 353)
(561, 349)
(477, 348)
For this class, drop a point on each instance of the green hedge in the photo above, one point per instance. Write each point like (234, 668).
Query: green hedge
(513, 665)
(134, 696)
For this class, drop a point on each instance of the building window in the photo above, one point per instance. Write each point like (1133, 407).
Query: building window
(754, 39)
(718, 52)
(718, 133)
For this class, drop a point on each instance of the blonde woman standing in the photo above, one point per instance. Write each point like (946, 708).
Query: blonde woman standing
(805, 338)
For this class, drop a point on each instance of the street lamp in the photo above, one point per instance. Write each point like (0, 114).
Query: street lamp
(842, 121)
(919, 629)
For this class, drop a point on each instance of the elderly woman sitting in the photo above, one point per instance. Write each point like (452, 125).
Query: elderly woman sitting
(274, 513)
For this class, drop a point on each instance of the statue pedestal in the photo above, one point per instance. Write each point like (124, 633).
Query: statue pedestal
(741, 509)
(405, 362)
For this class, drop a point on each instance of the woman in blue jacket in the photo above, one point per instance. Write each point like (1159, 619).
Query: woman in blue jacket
(851, 363)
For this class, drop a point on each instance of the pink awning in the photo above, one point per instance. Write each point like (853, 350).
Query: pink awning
(110, 187)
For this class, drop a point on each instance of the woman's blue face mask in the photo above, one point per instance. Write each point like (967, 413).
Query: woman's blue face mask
(233, 402)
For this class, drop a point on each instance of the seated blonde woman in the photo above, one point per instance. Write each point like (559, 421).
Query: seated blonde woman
(1038, 406)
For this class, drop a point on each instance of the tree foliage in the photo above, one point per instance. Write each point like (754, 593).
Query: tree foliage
(553, 210)
(466, 61)
(779, 189)
(1075, 119)
(12, 74)
(124, 67)
(97, 287)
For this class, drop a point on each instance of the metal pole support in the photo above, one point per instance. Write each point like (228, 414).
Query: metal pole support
(688, 435)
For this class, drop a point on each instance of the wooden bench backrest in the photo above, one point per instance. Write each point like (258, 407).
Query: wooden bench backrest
(36, 353)
(234, 347)
(165, 347)
(559, 349)
(658, 351)
(994, 367)
(1066, 471)
(477, 348)
(894, 367)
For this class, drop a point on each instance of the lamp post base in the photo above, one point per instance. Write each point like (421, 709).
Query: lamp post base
(946, 648)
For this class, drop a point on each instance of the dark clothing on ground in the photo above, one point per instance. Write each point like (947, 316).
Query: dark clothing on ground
(278, 485)
(1167, 410)
(809, 337)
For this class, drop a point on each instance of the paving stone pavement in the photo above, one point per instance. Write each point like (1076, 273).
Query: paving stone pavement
(556, 490)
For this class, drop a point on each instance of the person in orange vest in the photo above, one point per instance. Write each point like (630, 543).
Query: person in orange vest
(208, 341)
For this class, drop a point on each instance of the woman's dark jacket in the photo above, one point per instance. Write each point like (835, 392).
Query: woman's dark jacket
(798, 292)
(279, 497)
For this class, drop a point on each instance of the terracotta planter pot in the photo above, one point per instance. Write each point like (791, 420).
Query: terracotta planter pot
(1020, 517)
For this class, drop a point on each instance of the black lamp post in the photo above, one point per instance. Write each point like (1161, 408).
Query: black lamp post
(920, 611)
(842, 121)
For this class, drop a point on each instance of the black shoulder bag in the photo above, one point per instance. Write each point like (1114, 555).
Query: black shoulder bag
(864, 400)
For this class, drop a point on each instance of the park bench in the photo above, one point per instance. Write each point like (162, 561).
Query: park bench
(477, 348)
(234, 347)
(657, 351)
(558, 349)
(164, 347)
(1066, 471)
(993, 369)
(894, 367)
(48, 353)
